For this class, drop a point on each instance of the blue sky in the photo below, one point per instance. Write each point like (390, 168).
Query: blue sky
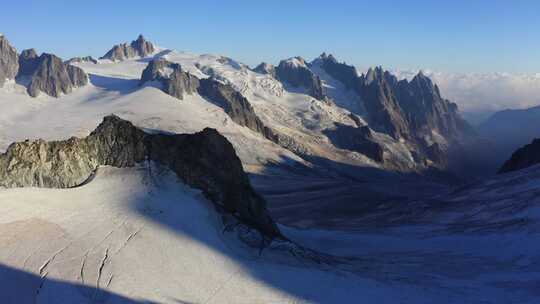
(454, 36)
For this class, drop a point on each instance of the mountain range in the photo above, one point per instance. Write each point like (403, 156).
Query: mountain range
(155, 175)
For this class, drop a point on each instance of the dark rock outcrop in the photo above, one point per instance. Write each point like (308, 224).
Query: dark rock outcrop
(356, 139)
(407, 109)
(234, 104)
(296, 73)
(82, 59)
(140, 47)
(174, 81)
(53, 77)
(346, 74)
(28, 62)
(204, 160)
(9, 61)
(435, 153)
(266, 68)
(425, 110)
(376, 89)
(528, 155)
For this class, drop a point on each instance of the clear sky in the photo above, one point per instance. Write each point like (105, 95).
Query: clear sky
(445, 35)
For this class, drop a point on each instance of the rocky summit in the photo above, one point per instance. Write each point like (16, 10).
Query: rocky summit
(82, 59)
(413, 110)
(46, 73)
(174, 81)
(295, 72)
(53, 77)
(28, 62)
(204, 160)
(528, 155)
(9, 60)
(266, 68)
(137, 48)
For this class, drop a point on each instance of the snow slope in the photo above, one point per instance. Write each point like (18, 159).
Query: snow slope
(77, 114)
(139, 235)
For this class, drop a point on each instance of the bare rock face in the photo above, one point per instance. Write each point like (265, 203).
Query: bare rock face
(81, 59)
(384, 112)
(265, 68)
(137, 48)
(528, 155)
(204, 160)
(176, 83)
(400, 108)
(28, 62)
(9, 61)
(53, 77)
(346, 74)
(358, 139)
(295, 72)
(173, 79)
(426, 110)
(234, 104)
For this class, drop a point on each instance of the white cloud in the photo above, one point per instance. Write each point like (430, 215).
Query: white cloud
(491, 92)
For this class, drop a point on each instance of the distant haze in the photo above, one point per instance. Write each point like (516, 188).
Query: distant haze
(488, 92)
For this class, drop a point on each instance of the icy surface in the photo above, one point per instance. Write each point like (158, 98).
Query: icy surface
(138, 235)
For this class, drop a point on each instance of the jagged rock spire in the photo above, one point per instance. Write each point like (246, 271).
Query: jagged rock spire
(9, 60)
(137, 48)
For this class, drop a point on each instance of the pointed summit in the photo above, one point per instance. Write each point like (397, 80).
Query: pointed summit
(265, 68)
(9, 61)
(327, 57)
(296, 73)
(137, 48)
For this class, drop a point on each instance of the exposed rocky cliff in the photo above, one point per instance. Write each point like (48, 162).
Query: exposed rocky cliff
(204, 160)
(28, 62)
(174, 81)
(82, 59)
(47, 73)
(9, 60)
(137, 48)
(413, 111)
(524, 157)
(403, 109)
(234, 104)
(359, 139)
(266, 68)
(295, 72)
(346, 74)
(53, 77)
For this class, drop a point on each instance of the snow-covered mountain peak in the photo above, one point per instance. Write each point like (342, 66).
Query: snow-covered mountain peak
(296, 62)
(137, 48)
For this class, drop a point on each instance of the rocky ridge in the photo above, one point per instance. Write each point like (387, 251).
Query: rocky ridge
(174, 81)
(81, 59)
(28, 62)
(413, 111)
(526, 156)
(53, 77)
(9, 61)
(137, 48)
(46, 73)
(403, 109)
(204, 160)
(295, 72)
(266, 68)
